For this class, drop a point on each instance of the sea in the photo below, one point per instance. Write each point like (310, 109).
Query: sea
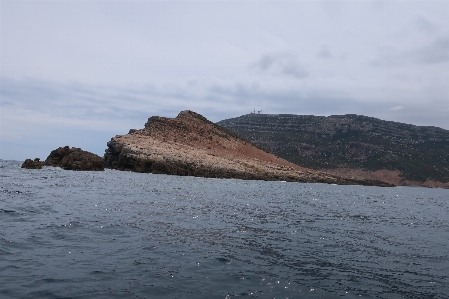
(116, 234)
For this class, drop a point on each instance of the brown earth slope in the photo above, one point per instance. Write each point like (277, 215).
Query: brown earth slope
(191, 145)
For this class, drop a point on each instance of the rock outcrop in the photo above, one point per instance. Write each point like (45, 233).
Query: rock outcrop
(191, 145)
(33, 164)
(74, 159)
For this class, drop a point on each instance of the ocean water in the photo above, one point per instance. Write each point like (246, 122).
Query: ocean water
(112, 234)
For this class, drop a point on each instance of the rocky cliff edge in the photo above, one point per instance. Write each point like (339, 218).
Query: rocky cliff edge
(192, 145)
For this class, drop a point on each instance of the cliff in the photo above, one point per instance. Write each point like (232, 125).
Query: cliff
(191, 145)
(352, 145)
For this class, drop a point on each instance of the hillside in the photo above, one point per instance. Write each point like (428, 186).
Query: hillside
(352, 145)
(191, 145)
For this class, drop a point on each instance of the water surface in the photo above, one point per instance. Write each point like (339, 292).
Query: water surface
(113, 234)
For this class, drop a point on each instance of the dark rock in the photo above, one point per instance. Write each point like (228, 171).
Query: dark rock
(57, 155)
(74, 159)
(33, 164)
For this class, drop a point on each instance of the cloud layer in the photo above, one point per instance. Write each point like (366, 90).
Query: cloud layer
(85, 71)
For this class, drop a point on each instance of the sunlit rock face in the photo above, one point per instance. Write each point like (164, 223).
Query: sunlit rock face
(189, 144)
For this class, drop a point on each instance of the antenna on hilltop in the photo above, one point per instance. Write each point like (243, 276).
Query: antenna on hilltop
(258, 111)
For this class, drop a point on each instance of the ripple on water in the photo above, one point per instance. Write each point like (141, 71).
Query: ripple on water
(128, 235)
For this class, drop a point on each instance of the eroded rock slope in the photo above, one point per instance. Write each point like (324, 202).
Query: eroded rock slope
(191, 145)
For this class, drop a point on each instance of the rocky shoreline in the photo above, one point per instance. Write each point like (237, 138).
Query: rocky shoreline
(191, 145)
(33, 164)
(69, 159)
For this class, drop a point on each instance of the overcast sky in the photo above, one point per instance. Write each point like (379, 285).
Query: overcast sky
(80, 72)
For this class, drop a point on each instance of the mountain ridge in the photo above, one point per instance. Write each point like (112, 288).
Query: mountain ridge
(365, 146)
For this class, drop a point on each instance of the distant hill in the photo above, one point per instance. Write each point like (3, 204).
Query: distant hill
(352, 145)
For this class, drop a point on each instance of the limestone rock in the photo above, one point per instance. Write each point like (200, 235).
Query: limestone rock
(74, 159)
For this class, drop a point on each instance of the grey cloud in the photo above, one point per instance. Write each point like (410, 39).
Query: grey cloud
(266, 62)
(38, 116)
(115, 108)
(324, 52)
(76, 101)
(433, 53)
(119, 109)
(332, 8)
(422, 23)
(436, 52)
(311, 100)
(378, 4)
(389, 59)
(294, 71)
(282, 64)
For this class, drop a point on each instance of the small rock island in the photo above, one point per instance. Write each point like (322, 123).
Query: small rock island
(69, 159)
(33, 164)
(189, 144)
(74, 159)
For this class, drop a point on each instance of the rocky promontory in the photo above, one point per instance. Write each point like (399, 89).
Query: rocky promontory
(192, 145)
(74, 159)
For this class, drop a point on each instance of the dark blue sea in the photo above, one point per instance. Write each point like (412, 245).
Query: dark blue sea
(113, 234)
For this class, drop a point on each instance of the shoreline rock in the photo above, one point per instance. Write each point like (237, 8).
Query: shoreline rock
(74, 159)
(192, 145)
(32, 164)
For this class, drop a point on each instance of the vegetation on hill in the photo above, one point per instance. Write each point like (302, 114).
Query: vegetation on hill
(349, 141)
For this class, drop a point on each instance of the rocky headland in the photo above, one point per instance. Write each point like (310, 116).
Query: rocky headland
(192, 145)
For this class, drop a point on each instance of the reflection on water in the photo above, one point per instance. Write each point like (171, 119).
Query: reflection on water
(126, 235)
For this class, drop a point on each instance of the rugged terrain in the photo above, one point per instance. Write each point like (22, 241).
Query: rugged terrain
(352, 146)
(191, 145)
(32, 164)
(74, 159)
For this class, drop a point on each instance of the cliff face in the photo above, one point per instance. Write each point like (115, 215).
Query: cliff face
(191, 145)
(352, 145)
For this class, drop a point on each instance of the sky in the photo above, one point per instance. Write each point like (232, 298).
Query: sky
(78, 73)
